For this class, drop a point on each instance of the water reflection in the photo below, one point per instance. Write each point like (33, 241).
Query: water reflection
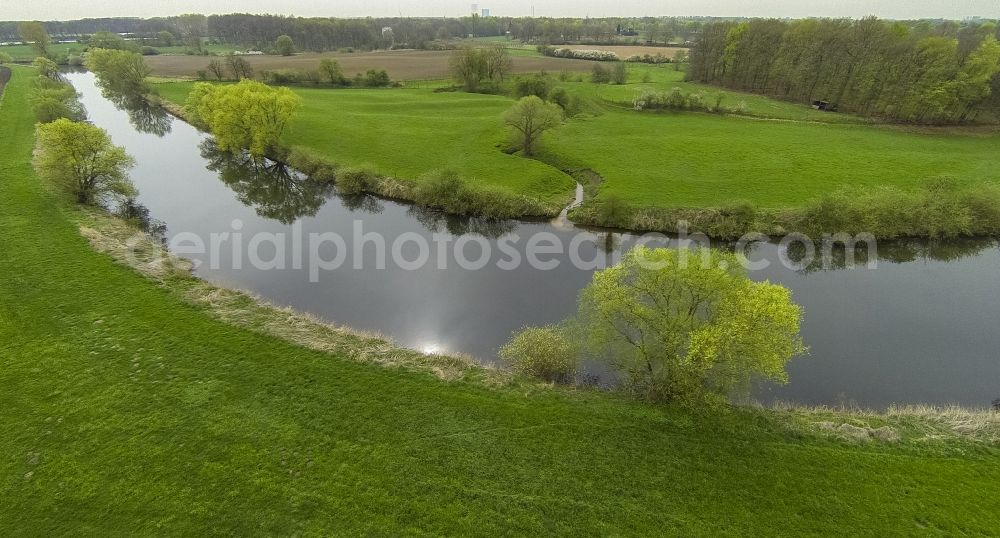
(898, 251)
(138, 214)
(362, 203)
(437, 221)
(274, 190)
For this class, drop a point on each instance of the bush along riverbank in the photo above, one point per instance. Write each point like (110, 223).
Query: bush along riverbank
(941, 208)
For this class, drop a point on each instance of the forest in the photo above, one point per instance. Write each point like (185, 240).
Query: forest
(921, 72)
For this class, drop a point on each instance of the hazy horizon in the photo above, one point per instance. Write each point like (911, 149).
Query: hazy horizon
(892, 9)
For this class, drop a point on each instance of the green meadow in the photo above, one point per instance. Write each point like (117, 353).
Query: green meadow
(775, 154)
(127, 410)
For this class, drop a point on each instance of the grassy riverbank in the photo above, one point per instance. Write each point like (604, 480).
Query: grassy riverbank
(128, 409)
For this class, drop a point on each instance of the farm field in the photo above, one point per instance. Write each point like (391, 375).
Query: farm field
(126, 407)
(400, 64)
(649, 159)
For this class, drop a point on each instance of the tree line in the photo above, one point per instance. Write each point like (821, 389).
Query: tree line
(906, 72)
(322, 33)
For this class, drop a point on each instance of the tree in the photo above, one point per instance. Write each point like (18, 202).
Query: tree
(46, 67)
(5, 58)
(284, 45)
(239, 67)
(217, 68)
(248, 115)
(119, 72)
(688, 325)
(53, 99)
(619, 74)
(680, 57)
(529, 118)
(329, 71)
(165, 38)
(80, 158)
(34, 32)
(474, 67)
(600, 74)
(108, 40)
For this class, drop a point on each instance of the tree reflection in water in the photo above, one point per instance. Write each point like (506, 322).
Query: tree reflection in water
(139, 215)
(274, 190)
(436, 221)
(144, 116)
(894, 251)
(365, 203)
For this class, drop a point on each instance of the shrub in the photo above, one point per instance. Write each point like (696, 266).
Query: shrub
(542, 352)
(311, 163)
(282, 76)
(592, 55)
(560, 97)
(446, 190)
(537, 85)
(74, 60)
(356, 180)
(600, 74)
(376, 79)
(148, 51)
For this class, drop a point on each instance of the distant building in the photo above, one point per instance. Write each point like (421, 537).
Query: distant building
(486, 12)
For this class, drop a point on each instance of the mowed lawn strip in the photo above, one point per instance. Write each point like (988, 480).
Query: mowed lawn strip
(126, 411)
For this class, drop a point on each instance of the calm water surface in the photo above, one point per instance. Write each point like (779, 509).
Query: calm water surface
(914, 330)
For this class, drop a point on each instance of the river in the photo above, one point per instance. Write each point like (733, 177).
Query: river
(921, 327)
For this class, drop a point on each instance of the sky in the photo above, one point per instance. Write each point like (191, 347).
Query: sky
(895, 9)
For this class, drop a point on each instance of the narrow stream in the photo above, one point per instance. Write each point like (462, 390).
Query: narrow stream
(922, 327)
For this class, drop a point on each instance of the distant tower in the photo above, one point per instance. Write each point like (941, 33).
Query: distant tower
(475, 9)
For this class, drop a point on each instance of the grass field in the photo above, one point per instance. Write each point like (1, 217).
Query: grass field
(127, 411)
(408, 133)
(24, 53)
(649, 159)
(697, 160)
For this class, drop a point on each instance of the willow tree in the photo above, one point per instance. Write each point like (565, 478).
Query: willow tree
(247, 115)
(531, 117)
(119, 72)
(81, 159)
(688, 325)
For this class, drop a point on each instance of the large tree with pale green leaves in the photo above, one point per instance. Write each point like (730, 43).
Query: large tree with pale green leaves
(81, 159)
(688, 325)
(531, 117)
(248, 115)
